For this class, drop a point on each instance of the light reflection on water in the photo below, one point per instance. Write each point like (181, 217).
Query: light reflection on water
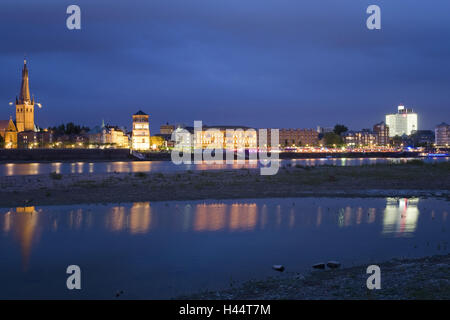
(400, 216)
(268, 231)
(12, 169)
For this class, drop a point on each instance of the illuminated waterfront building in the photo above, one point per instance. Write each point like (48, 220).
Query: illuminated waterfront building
(298, 137)
(215, 137)
(381, 131)
(141, 131)
(113, 135)
(184, 136)
(110, 136)
(31, 139)
(166, 128)
(402, 122)
(422, 137)
(23, 132)
(164, 138)
(25, 105)
(226, 137)
(442, 135)
(361, 138)
(8, 132)
(95, 134)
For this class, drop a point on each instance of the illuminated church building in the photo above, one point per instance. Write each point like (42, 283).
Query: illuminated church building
(24, 114)
(25, 105)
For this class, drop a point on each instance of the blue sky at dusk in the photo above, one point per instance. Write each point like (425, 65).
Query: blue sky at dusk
(261, 63)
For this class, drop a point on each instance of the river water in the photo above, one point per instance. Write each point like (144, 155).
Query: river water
(164, 249)
(12, 169)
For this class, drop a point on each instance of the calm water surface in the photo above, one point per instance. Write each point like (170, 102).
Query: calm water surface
(163, 249)
(12, 169)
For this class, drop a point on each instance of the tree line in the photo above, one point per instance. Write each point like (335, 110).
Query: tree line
(69, 129)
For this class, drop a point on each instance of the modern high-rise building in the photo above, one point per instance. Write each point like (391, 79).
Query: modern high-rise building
(442, 135)
(402, 122)
(25, 105)
(141, 131)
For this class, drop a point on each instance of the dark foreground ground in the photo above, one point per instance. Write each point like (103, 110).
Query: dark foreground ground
(424, 278)
(413, 179)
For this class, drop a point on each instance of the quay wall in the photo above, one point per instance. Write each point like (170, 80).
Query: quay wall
(44, 155)
(16, 155)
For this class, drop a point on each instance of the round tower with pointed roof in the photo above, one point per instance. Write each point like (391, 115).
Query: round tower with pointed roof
(141, 131)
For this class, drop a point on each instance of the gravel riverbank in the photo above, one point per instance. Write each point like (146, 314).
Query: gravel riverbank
(423, 278)
(401, 180)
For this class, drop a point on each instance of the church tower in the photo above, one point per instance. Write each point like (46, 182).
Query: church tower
(25, 104)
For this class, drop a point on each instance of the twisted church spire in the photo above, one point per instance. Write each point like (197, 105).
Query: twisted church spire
(24, 96)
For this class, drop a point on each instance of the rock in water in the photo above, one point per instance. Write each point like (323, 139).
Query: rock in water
(319, 266)
(278, 267)
(118, 293)
(333, 264)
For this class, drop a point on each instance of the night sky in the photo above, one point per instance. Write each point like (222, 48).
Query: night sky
(260, 63)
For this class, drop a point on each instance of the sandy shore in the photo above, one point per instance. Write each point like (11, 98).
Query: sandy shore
(424, 278)
(365, 181)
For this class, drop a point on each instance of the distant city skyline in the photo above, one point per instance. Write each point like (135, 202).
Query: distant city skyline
(274, 64)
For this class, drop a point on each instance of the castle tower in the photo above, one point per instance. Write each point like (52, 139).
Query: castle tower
(141, 131)
(25, 104)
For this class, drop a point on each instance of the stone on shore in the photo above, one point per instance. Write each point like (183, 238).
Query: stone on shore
(278, 267)
(320, 265)
(333, 264)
